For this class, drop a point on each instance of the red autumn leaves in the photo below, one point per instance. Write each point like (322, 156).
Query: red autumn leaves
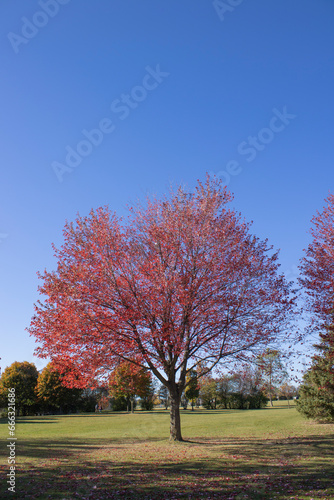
(181, 281)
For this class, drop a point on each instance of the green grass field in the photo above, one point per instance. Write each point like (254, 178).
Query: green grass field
(227, 454)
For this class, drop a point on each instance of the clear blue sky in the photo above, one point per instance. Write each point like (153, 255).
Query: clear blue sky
(202, 91)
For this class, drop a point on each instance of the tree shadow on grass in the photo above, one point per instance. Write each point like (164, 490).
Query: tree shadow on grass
(218, 411)
(36, 420)
(258, 445)
(73, 448)
(228, 468)
(278, 407)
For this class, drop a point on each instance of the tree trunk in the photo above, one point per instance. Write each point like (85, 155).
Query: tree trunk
(270, 386)
(132, 410)
(175, 421)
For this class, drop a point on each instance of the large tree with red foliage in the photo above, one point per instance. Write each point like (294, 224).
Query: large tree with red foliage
(181, 282)
(317, 268)
(317, 278)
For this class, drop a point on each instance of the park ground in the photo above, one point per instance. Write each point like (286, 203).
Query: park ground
(227, 454)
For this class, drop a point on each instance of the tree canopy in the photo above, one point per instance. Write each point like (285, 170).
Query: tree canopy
(22, 376)
(317, 268)
(181, 281)
(52, 393)
(192, 391)
(129, 380)
(316, 394)
(273, 372)
(317, 277)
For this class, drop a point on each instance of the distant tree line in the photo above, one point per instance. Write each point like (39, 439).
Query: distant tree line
(250, 387)
(130, 386)
(45, 393)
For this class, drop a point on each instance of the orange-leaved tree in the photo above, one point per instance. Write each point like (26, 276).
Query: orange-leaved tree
(129, 380)
(182, 281)
(53, 394)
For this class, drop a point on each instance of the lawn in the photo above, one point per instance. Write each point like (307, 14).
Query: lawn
(227, 454)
